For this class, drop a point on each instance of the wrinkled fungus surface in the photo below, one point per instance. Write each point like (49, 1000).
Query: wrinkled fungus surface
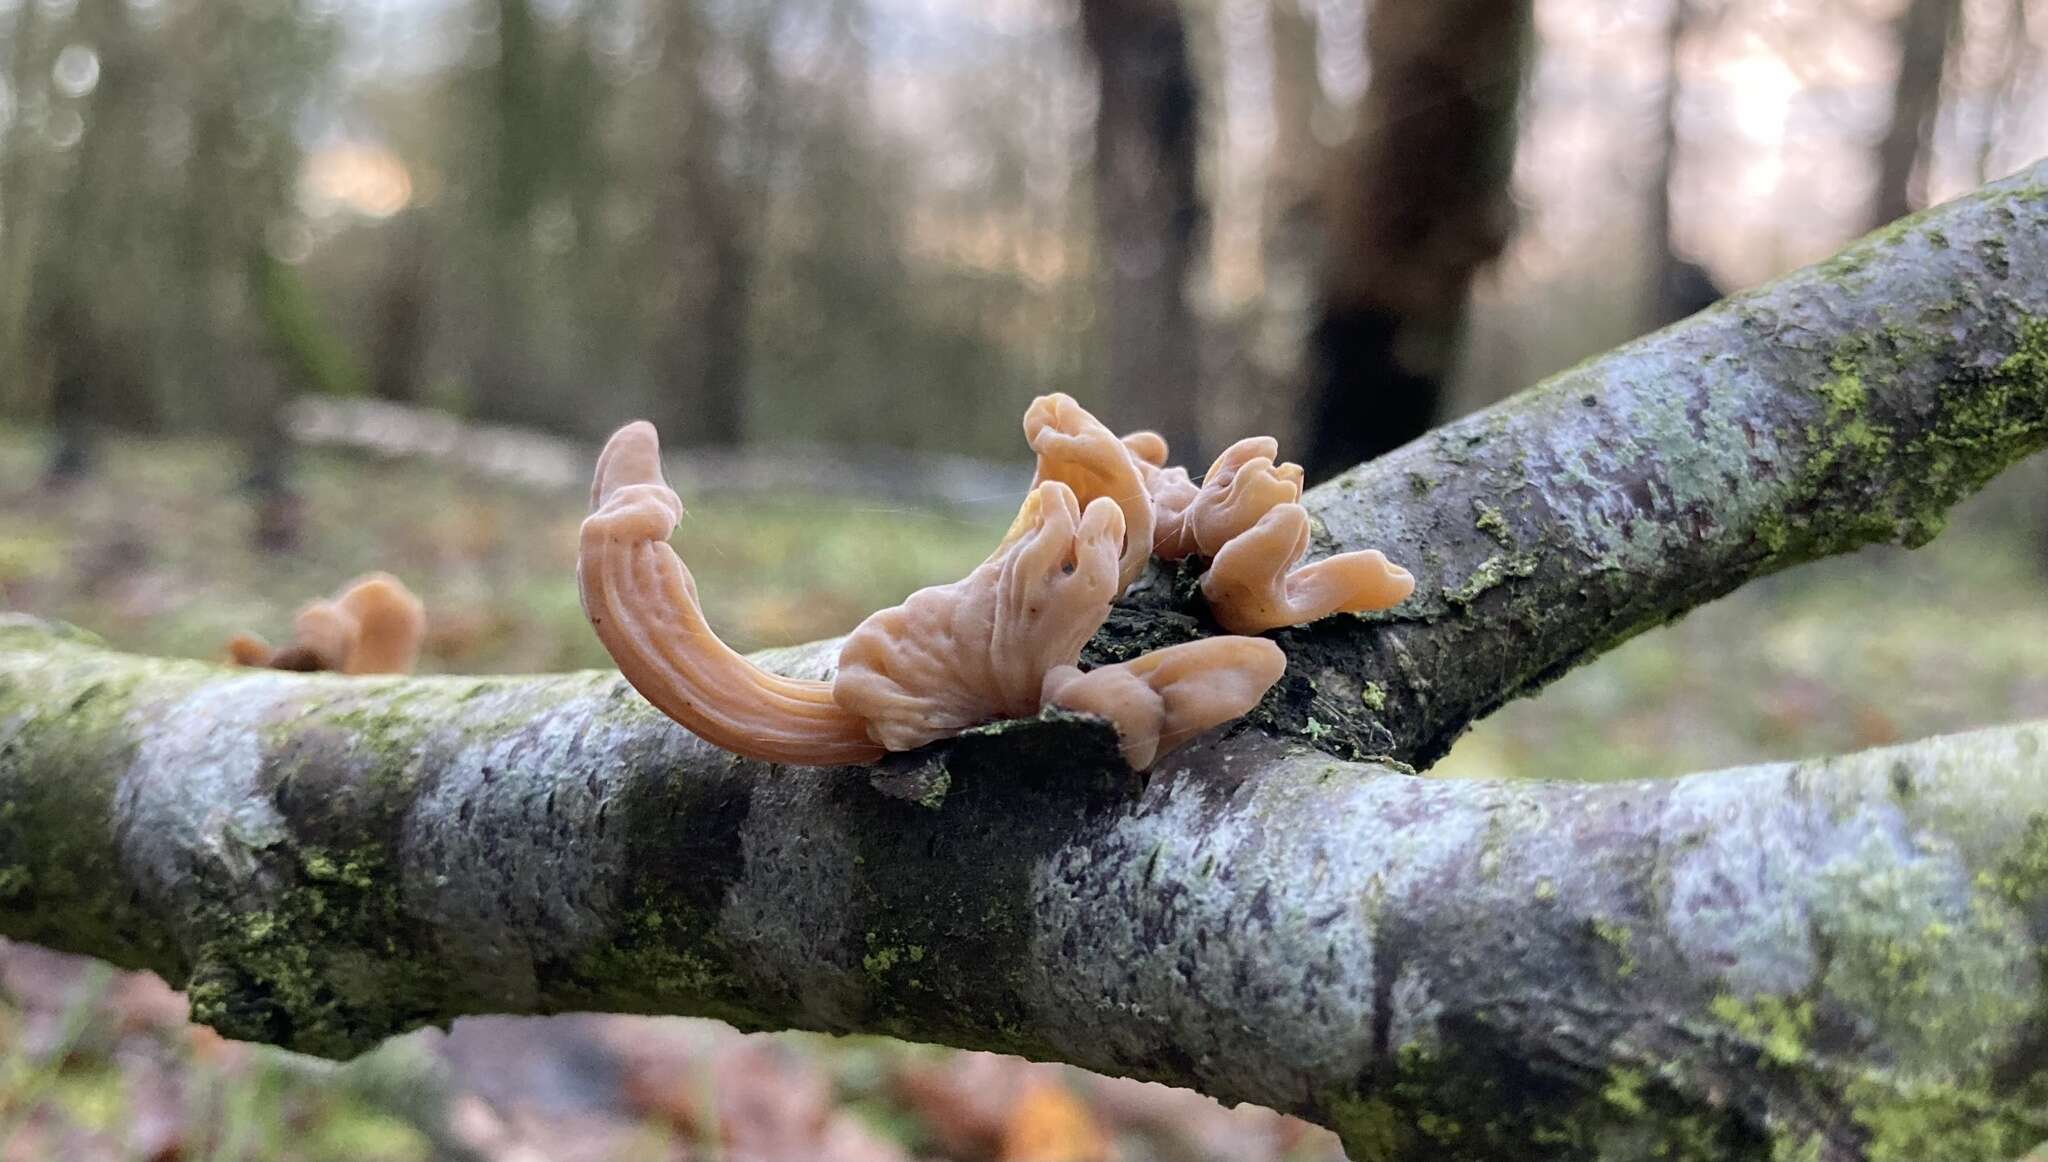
(1162, 699)
(1002, 642)
(957, 655)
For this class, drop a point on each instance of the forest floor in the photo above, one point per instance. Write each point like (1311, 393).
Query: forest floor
(153, 554)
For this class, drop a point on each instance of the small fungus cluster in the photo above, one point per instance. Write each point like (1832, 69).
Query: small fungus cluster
(1004, 641)
(373, 626)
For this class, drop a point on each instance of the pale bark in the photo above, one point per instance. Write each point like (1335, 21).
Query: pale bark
(1833, 960)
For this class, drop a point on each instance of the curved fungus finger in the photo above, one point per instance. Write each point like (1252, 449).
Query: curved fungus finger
(1161, 700)
(1251, 590)
(1147, 448)
(1228, 461)
(1240, 487)
(326, 633)
(390, 625)
(248, 649)
(954, 656)
(642, 601)
(1077, 450)
(1172, 491)
(1233, 501)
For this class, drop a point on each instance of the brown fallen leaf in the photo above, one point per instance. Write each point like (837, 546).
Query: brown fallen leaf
(1049, 1123)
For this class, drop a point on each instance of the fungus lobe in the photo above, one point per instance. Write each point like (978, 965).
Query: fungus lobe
(642, 601)
(373, 626)
(1252, 585)
(1159, 701)
(978, 649)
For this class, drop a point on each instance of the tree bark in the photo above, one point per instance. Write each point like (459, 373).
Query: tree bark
(1148, 215)
(1423, 204)
(1848, 403)
(1835, 960)
(1814, 956)
(1925, 30)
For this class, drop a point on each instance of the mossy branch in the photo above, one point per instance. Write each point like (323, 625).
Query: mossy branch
(1852, 402)
(1840, 959)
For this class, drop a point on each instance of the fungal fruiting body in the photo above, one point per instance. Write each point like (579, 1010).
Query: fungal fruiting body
(1252, 585)
(1002, 642)
(373, 626)
(1077, 450)
(948, 658)
(953, 656)
(1245, 516)
(1244, 483)
(1147, 448)
(642, 601)
(1160, 700)
(1171, 491)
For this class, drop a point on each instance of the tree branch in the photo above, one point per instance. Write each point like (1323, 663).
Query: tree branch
(1839, 959)
(1849, 403)
(1814, 954)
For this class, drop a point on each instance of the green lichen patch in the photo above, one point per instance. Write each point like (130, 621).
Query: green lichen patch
(1482, 1102)
(1616, 938)
(1374, 695)
(1920, 1121)
(67, 724)
(326, 967)
(1491, 573)
(1780, 1027)
(1491, 521)
(1941, 980)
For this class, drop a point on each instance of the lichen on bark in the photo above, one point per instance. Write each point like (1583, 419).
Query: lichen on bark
(1846, 953)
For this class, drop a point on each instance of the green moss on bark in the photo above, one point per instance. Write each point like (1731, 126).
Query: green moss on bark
(1482, 1102)
(68, 734)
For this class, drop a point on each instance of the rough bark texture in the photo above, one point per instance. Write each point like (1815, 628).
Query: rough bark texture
(1148, 214)
(1833, 960)
(1849, 403)
(1422, 203)
(1840, 959)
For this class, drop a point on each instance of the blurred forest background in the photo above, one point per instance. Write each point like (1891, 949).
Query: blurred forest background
(293, 289)
(770, 222)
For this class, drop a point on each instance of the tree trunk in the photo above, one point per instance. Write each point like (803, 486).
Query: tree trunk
(1925, 30)
(712, 240)
(1294, 237)
(1835, 960)
(1295, 175)
(398, 345)
(1148, 216)
(22, 205)
(1422, 204)
(1679, 286)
